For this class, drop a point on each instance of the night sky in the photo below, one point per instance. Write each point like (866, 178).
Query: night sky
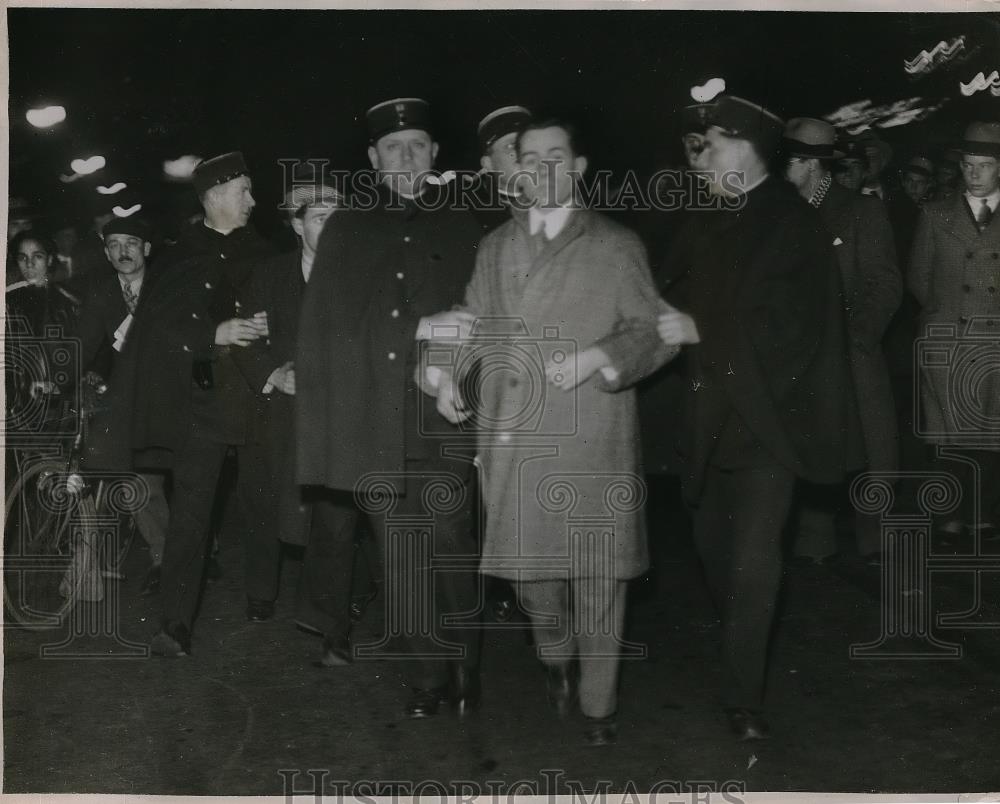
(143, 86)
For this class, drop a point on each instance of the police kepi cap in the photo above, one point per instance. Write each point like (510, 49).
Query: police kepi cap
(218, 170)
(982, 139)
(739, 118)
(398, 114)
(309, 195)
(501, 122)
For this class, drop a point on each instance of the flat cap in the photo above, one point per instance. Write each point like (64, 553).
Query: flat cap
(398, 114)
(218, 170)
(501, 122)
(309, 195)
(921, 165)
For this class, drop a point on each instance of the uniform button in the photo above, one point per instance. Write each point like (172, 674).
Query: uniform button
(394, 313)
(187, 348)
(208, 285)
(503, 438)
(223, 256)
(392, 355)
(407, 239)
(967, 288)
(399, 275)
(194, 316)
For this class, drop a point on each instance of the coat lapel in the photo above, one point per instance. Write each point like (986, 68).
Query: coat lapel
(574, 228)
(959, 221)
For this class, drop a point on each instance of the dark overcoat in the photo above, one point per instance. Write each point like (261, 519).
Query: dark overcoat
(862, 238)
(156, 404)
(955, 276)
(763, 285)
(276, 286)
(376, 273)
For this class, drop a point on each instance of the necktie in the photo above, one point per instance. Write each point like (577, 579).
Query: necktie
(984, 215)
(129, 295)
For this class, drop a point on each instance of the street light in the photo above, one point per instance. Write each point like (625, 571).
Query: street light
(87, 166)
(117, 187)
(46, 116)
(707, 91)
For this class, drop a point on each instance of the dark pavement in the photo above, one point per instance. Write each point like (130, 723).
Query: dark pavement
(248, 710)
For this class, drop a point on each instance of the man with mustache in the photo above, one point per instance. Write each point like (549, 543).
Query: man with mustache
(108, 305)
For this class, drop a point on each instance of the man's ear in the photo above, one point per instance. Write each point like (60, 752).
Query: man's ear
(298, 226)
(486, 163)
(434, 152)
(373, 156)
(145, 249)
(580, 164)
(107, 254)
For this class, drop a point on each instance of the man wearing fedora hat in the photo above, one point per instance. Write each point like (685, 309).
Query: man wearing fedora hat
(768, 398)
(366, 438)
(955, 276)
(862, 239)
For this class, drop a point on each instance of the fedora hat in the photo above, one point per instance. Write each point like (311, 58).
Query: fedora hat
(810, 138)
(982, 139)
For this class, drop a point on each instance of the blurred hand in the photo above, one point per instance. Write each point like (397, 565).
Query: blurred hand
(677, 328)
(283, 378)
(259, 321)
(449, 401)
(40, 387)
(237, 332)
(451, 325)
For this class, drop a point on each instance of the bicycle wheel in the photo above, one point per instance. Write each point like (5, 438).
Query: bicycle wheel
(44, 568)
(113, 551)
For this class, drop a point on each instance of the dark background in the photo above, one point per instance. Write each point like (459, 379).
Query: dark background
(145, 85)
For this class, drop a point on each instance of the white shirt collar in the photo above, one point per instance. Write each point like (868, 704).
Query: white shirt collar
(553, 220)
(993, 199)
(134, 283)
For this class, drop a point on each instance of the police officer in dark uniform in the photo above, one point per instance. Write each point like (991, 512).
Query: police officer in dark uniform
(179, 400)
(366, 436)
(497, 191)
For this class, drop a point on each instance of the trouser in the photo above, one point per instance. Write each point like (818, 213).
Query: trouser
(589, 621)
(815, 522)
(196, 470)
(153, 518)
(737, 531)
(417, 595)
(257, 495)
(988, 482)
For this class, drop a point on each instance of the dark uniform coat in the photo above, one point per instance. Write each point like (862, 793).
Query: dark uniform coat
(955, 275)
(172, 380)
(763, 286)
(863, 241)
(276, 286)
(375, 275)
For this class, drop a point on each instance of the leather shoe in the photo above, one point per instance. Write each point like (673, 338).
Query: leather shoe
(601, 731)
(336, 652)
(172, 640)
(425, 702)
(259, 610)
(466, 691)
(151, 583)
(559, 687)
(747, 724)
